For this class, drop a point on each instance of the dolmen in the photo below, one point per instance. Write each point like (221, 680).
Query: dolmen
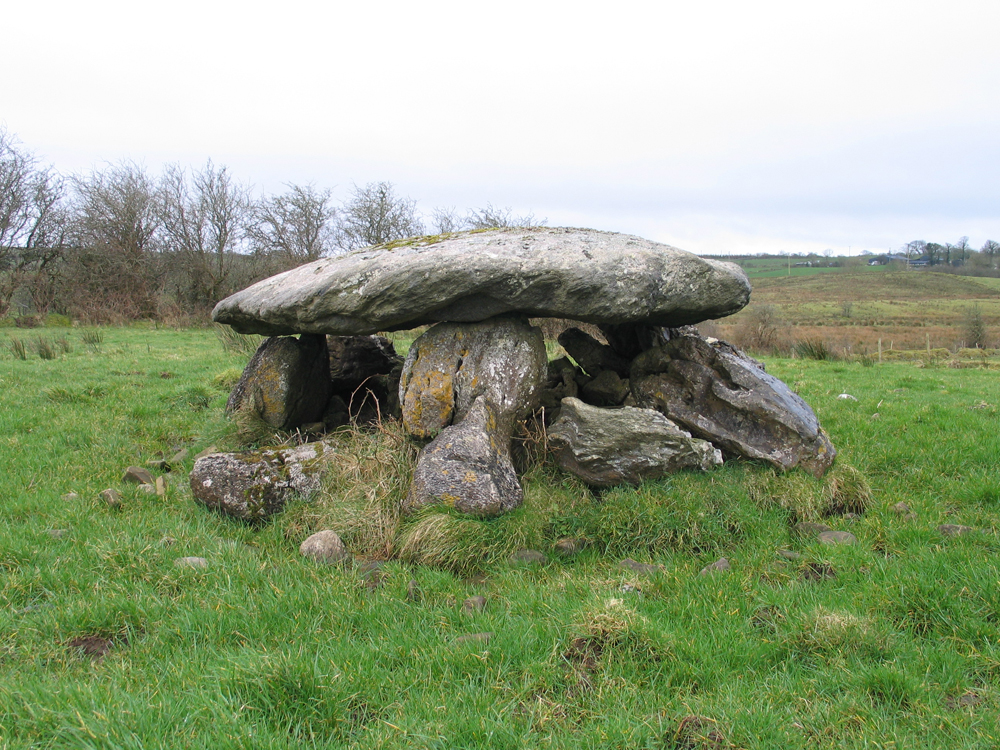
(644, 396)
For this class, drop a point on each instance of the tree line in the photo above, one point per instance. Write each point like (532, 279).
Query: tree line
(119, 243)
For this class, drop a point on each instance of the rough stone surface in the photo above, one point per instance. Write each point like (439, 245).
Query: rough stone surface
(70, 497)
(111, 497)
(725, 397)
(287, 382)
(547, 272)
(810, 529)
(255, 485)
(137, 475)
(325, 547)
(474, 604)
(591, 354)
(637, 567)
(605, 447)
(954, 529)
(528, 557)
(568, 546)
(452, 364)
(468, 467)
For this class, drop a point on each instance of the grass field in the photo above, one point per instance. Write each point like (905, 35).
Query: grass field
(106, 643)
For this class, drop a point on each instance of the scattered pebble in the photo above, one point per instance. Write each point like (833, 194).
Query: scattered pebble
(149, 489)
(809, 528)
(954, 529)
(179, 457)
(161, 487)
(567, 546)
(528, 557)
(191, 562)
(69, 497)
(818, 571)
(846, 397)
(326, 547)
(158, 464)
(630, 588)
(137, 475)
(966, 700)
(720, 565)
(93, 646)
(210, 450)
(57, 533)
(111, 497)
(474, 604)
(901, 508)
(835, 538)
(637, 567)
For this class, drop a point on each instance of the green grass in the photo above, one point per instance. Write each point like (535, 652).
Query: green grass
(262, 649)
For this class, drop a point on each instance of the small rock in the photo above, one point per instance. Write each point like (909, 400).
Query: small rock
(70, 497)
(158, 464)
(209, 451)
(567, 546)
(966, 700)
(161, 487)
(149, 489)
(191, 562)
(93, 646)
(720, 565)
(372, 573)
(900, 509)
(168, 541)
(637, 567)
(137, 475)
(810, 529)
(413, 593)
(789, 554)
(111, 497)
(837, 537)
(179, 457)
(954, 529)
(474, 638)
(326, 547)
(630, 588)
(57, 533)
(474, 604)
(528, 557)
(875, 416)
(846, 397)
(851, 516)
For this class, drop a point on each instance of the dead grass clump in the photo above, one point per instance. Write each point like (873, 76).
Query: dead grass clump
(610, 630)
(836, 632)
(761, 331)
(363, 490)
(846, 490)
(251, 429)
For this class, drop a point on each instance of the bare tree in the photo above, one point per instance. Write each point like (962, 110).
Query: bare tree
(493, 217)
(375, 214)
(298, 224)
(914, 249)
(990, 249)
(116, 265)
(204, 223)
(447, 220)
(32, 225)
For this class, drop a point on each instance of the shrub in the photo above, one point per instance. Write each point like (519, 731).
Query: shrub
(17, 348)
(760, 330)
(814, 349)
(44, 348)
(975, 328)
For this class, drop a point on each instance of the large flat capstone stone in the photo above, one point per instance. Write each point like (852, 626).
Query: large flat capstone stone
(584, 274)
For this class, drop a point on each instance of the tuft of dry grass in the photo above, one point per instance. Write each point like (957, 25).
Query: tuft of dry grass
(844, 489)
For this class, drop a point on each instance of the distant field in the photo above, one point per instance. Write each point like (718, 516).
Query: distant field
(853, 309)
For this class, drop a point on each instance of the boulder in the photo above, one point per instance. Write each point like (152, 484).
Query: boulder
(257, 484)
(452, 364)
(605, 447)
(287, 382)
(721, 395)
(545, 272)
(325, 547)
(468, 467)
(607, 389)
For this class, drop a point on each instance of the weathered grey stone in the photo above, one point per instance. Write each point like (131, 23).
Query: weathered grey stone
(137, 475)
(598, 277)
(607, 389)
(452, 364)
(179, 457)
(70, 497)
(468, 467)
(209, 451)
(810, 529)
(160, 487)
(724, 397)
(255, 485)
(159, 464)
(835, 538)
(560, 383)
(568, 546)
(901, 509)
(605, 447)
(325, 547)
(191, 562)
(591, 354)
(287, 382)
(474, 604)
(629, 340)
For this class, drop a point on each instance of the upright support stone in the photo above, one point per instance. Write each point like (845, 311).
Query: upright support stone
(287, 381)
(469, 384)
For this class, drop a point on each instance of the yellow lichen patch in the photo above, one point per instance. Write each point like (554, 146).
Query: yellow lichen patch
(449, 499)
(470, 477)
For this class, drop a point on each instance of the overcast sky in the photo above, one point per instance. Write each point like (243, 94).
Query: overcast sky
(718, 127)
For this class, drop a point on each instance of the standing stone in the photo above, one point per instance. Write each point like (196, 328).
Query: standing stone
(725, 397)
(287, 382)
(605, 447)
(255, 485)
(468, 467)
(453, 364)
